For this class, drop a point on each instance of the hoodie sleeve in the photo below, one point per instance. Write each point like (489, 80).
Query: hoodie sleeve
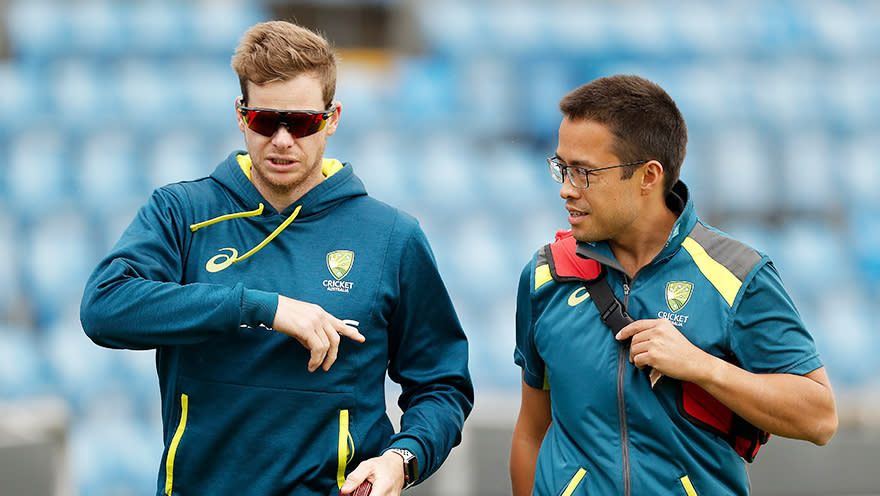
(429, 359)
(134, 298)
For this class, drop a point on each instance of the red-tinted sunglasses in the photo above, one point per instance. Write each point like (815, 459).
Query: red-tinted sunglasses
(299, 123)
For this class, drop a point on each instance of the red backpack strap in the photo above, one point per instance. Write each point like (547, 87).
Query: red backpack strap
(565, 265)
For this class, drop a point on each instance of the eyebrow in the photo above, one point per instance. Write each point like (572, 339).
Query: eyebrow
(576, 163)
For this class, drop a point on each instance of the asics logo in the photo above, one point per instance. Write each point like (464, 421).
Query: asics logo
(579, 295)
(223, 260)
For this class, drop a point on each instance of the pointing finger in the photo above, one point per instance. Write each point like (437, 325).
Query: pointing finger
(348, 328)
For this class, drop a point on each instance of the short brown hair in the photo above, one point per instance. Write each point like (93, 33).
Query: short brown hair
(643, 118)
(279, 51)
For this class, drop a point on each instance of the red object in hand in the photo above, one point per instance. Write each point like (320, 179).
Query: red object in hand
(362, 490)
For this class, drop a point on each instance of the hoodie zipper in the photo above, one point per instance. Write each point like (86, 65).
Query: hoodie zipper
(621, 401)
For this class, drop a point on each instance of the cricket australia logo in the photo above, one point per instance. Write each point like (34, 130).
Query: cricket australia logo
(677, 294)
(339, 264)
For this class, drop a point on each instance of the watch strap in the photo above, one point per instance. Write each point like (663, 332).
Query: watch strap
(410, 466)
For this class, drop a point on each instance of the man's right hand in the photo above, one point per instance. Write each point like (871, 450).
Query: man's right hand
(314, 328)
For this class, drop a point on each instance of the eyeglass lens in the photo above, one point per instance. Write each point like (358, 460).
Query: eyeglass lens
(576, 175)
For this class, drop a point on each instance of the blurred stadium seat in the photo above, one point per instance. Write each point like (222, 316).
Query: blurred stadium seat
(156, 28)
(39, 168)
(109, 172)
(23, 368)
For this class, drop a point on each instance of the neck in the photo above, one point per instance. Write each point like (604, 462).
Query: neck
(645, 239)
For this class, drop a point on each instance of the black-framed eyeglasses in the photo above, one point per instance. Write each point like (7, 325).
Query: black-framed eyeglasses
(299, 123)
(579, 177)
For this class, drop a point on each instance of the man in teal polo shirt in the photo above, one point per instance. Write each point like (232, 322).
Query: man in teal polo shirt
(710, 313)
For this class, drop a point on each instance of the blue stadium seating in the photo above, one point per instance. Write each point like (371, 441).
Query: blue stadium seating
(23, 369)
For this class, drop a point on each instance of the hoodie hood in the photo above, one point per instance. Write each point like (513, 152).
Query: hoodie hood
(340, 184)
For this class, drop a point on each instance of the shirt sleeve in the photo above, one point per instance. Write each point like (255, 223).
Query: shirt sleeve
(428, 357)
(525, 354)
(134, 298)
(767, 334)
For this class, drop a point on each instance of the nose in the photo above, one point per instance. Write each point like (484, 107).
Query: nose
(282, 137)
(566, 190)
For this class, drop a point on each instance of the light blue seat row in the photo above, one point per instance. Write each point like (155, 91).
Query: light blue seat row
(690, 28)
(45, 29)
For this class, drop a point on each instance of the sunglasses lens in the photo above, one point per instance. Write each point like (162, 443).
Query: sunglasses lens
(263, 122)
(302, 125)
(299, 125)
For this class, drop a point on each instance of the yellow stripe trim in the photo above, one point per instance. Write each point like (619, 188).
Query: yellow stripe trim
(546, 386)
(342, 448)
(175, 441)
(542, 275)
(574, 482)
(688, 487)
(724, 281)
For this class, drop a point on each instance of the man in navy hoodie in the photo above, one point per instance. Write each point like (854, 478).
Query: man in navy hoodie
(248, 281)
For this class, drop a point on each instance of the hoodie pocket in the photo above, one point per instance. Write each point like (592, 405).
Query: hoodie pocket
(574, 482)
(259, 440)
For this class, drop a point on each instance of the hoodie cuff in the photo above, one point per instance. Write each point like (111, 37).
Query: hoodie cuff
(416, 449)
(258, 307)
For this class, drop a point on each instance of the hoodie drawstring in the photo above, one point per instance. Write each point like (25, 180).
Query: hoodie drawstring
(216, 265)
(195, 227)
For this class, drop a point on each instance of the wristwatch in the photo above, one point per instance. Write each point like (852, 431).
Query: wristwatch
(410, 466)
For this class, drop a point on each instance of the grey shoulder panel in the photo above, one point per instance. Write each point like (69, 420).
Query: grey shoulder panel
(735, 256)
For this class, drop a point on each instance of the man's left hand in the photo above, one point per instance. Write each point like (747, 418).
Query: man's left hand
(384, 472)
(657, 343)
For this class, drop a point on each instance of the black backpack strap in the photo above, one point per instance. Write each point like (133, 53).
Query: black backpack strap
(610, 309)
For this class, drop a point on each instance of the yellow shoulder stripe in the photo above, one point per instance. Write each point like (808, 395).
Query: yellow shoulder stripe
(724, 281)
(542, 275)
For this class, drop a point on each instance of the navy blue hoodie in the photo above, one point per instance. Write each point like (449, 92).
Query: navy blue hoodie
(197, 276)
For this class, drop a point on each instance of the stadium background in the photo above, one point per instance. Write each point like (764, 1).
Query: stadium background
(449, 110)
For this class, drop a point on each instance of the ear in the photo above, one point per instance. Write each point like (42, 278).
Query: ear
(333, 121)
(238, 116)
(652, 177)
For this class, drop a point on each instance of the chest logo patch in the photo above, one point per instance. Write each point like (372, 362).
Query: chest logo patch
(339, 262)
(678, 293)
